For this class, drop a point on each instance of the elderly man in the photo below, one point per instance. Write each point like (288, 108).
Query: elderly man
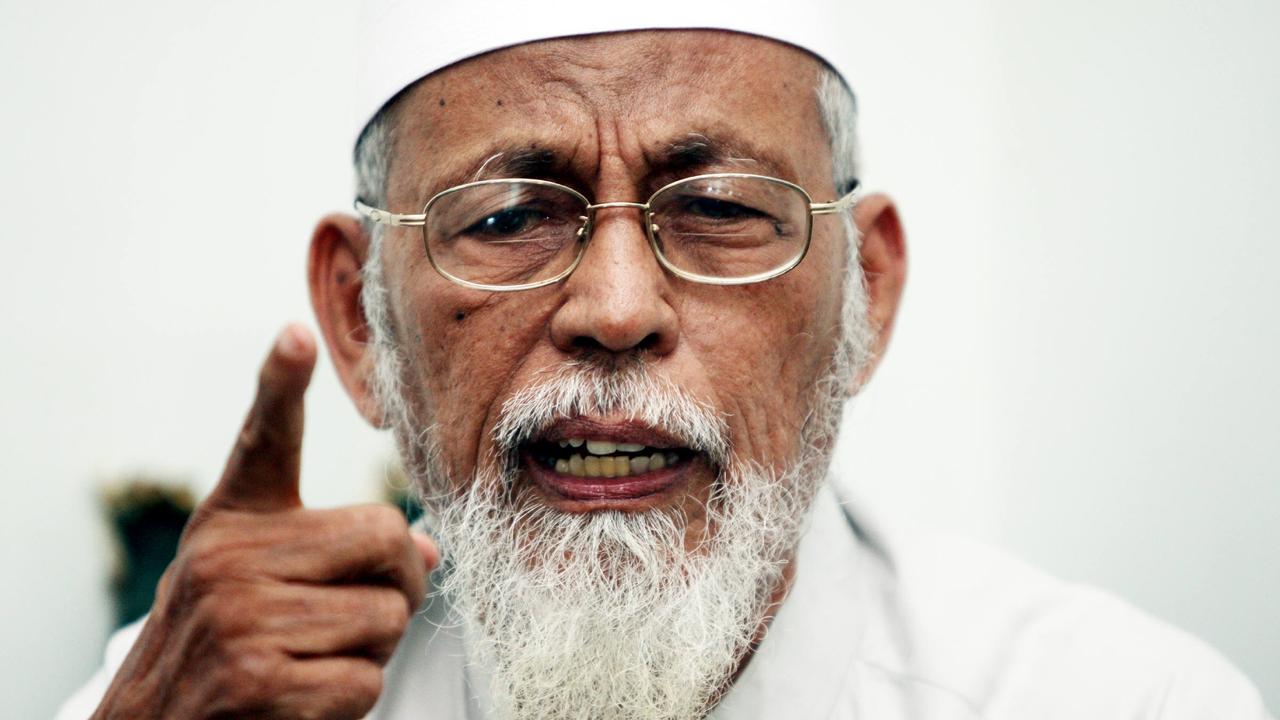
(610, 292)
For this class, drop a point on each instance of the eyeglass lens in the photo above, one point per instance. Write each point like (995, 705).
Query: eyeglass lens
(730, 227)
(514, 232)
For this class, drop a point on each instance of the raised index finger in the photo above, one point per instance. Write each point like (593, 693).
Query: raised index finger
(262, 472)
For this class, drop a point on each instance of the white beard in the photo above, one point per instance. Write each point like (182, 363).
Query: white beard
(606, 614)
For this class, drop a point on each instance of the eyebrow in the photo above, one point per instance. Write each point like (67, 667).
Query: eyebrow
(530, 162)
(698, 151)
(526, 161)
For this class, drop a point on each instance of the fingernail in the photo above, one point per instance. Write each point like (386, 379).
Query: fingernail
(291, 342)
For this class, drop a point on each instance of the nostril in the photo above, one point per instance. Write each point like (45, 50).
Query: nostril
(592, 345)
(584, 342)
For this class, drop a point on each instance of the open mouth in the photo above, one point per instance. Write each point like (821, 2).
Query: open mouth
(588, 461)
(586, 458)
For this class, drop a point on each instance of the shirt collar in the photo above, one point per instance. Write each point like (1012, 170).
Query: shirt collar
(805, 657)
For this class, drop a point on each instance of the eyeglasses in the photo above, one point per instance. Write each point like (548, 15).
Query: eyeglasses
(519, 234)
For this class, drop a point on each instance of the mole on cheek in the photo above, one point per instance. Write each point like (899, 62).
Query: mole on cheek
(459, 316)
(441, 102)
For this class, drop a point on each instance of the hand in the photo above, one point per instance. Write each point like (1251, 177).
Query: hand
(270, 609)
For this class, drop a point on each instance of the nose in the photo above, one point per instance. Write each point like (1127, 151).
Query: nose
(618, 299)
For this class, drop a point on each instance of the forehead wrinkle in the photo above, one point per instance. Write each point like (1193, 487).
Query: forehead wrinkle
(553, 88)
(609, 68)
(704, 144)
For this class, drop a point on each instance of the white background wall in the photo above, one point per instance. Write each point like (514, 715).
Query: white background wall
(1084, 370)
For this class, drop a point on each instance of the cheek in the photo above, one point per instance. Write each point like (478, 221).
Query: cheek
(763, 347)
(463, 350)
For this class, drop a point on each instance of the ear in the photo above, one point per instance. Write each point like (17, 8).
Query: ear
(339, 248)
(883, 256)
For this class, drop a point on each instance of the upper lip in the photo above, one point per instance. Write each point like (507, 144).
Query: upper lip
(625, 431)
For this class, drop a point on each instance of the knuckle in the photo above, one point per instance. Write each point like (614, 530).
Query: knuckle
(207, 562)
(395, 613)
(249, 676)
(222, 616)
(389, 518)
(387, 528)
(365, 686)
(199, 575)
(250, 437)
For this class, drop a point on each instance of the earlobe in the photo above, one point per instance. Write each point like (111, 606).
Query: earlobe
(883, 256)
(339, 247)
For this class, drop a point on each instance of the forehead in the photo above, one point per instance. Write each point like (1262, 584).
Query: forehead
(630, 98)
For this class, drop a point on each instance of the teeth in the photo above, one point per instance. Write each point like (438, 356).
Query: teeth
(601, 447)
(575, 442)
(614, 466)
(630, 447)
(564, 443)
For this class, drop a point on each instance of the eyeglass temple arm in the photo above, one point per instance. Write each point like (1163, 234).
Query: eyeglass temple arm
(838, 206)
(389, 218)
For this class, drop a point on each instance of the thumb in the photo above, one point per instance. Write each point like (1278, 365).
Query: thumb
(262, 473)
(427, 549)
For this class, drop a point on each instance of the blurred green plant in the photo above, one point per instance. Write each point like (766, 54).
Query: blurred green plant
(396, 490)
(146, 515)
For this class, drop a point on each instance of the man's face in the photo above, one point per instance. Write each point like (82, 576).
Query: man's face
(617, 117)
(637, 596)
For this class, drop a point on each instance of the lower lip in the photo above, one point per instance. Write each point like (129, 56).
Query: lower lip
(572, 487)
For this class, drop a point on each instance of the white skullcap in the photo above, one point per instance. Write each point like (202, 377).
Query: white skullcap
(401, 41)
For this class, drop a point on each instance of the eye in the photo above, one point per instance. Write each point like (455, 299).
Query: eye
(713, 209)
(505, 223)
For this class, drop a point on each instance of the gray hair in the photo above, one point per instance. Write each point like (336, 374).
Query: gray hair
(839, 110)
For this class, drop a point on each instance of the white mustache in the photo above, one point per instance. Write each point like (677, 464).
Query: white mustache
(631, 391)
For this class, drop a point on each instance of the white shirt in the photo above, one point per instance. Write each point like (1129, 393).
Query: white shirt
(885, 626)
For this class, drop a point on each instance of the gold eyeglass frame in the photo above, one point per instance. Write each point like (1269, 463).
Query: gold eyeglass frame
(387, 217)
